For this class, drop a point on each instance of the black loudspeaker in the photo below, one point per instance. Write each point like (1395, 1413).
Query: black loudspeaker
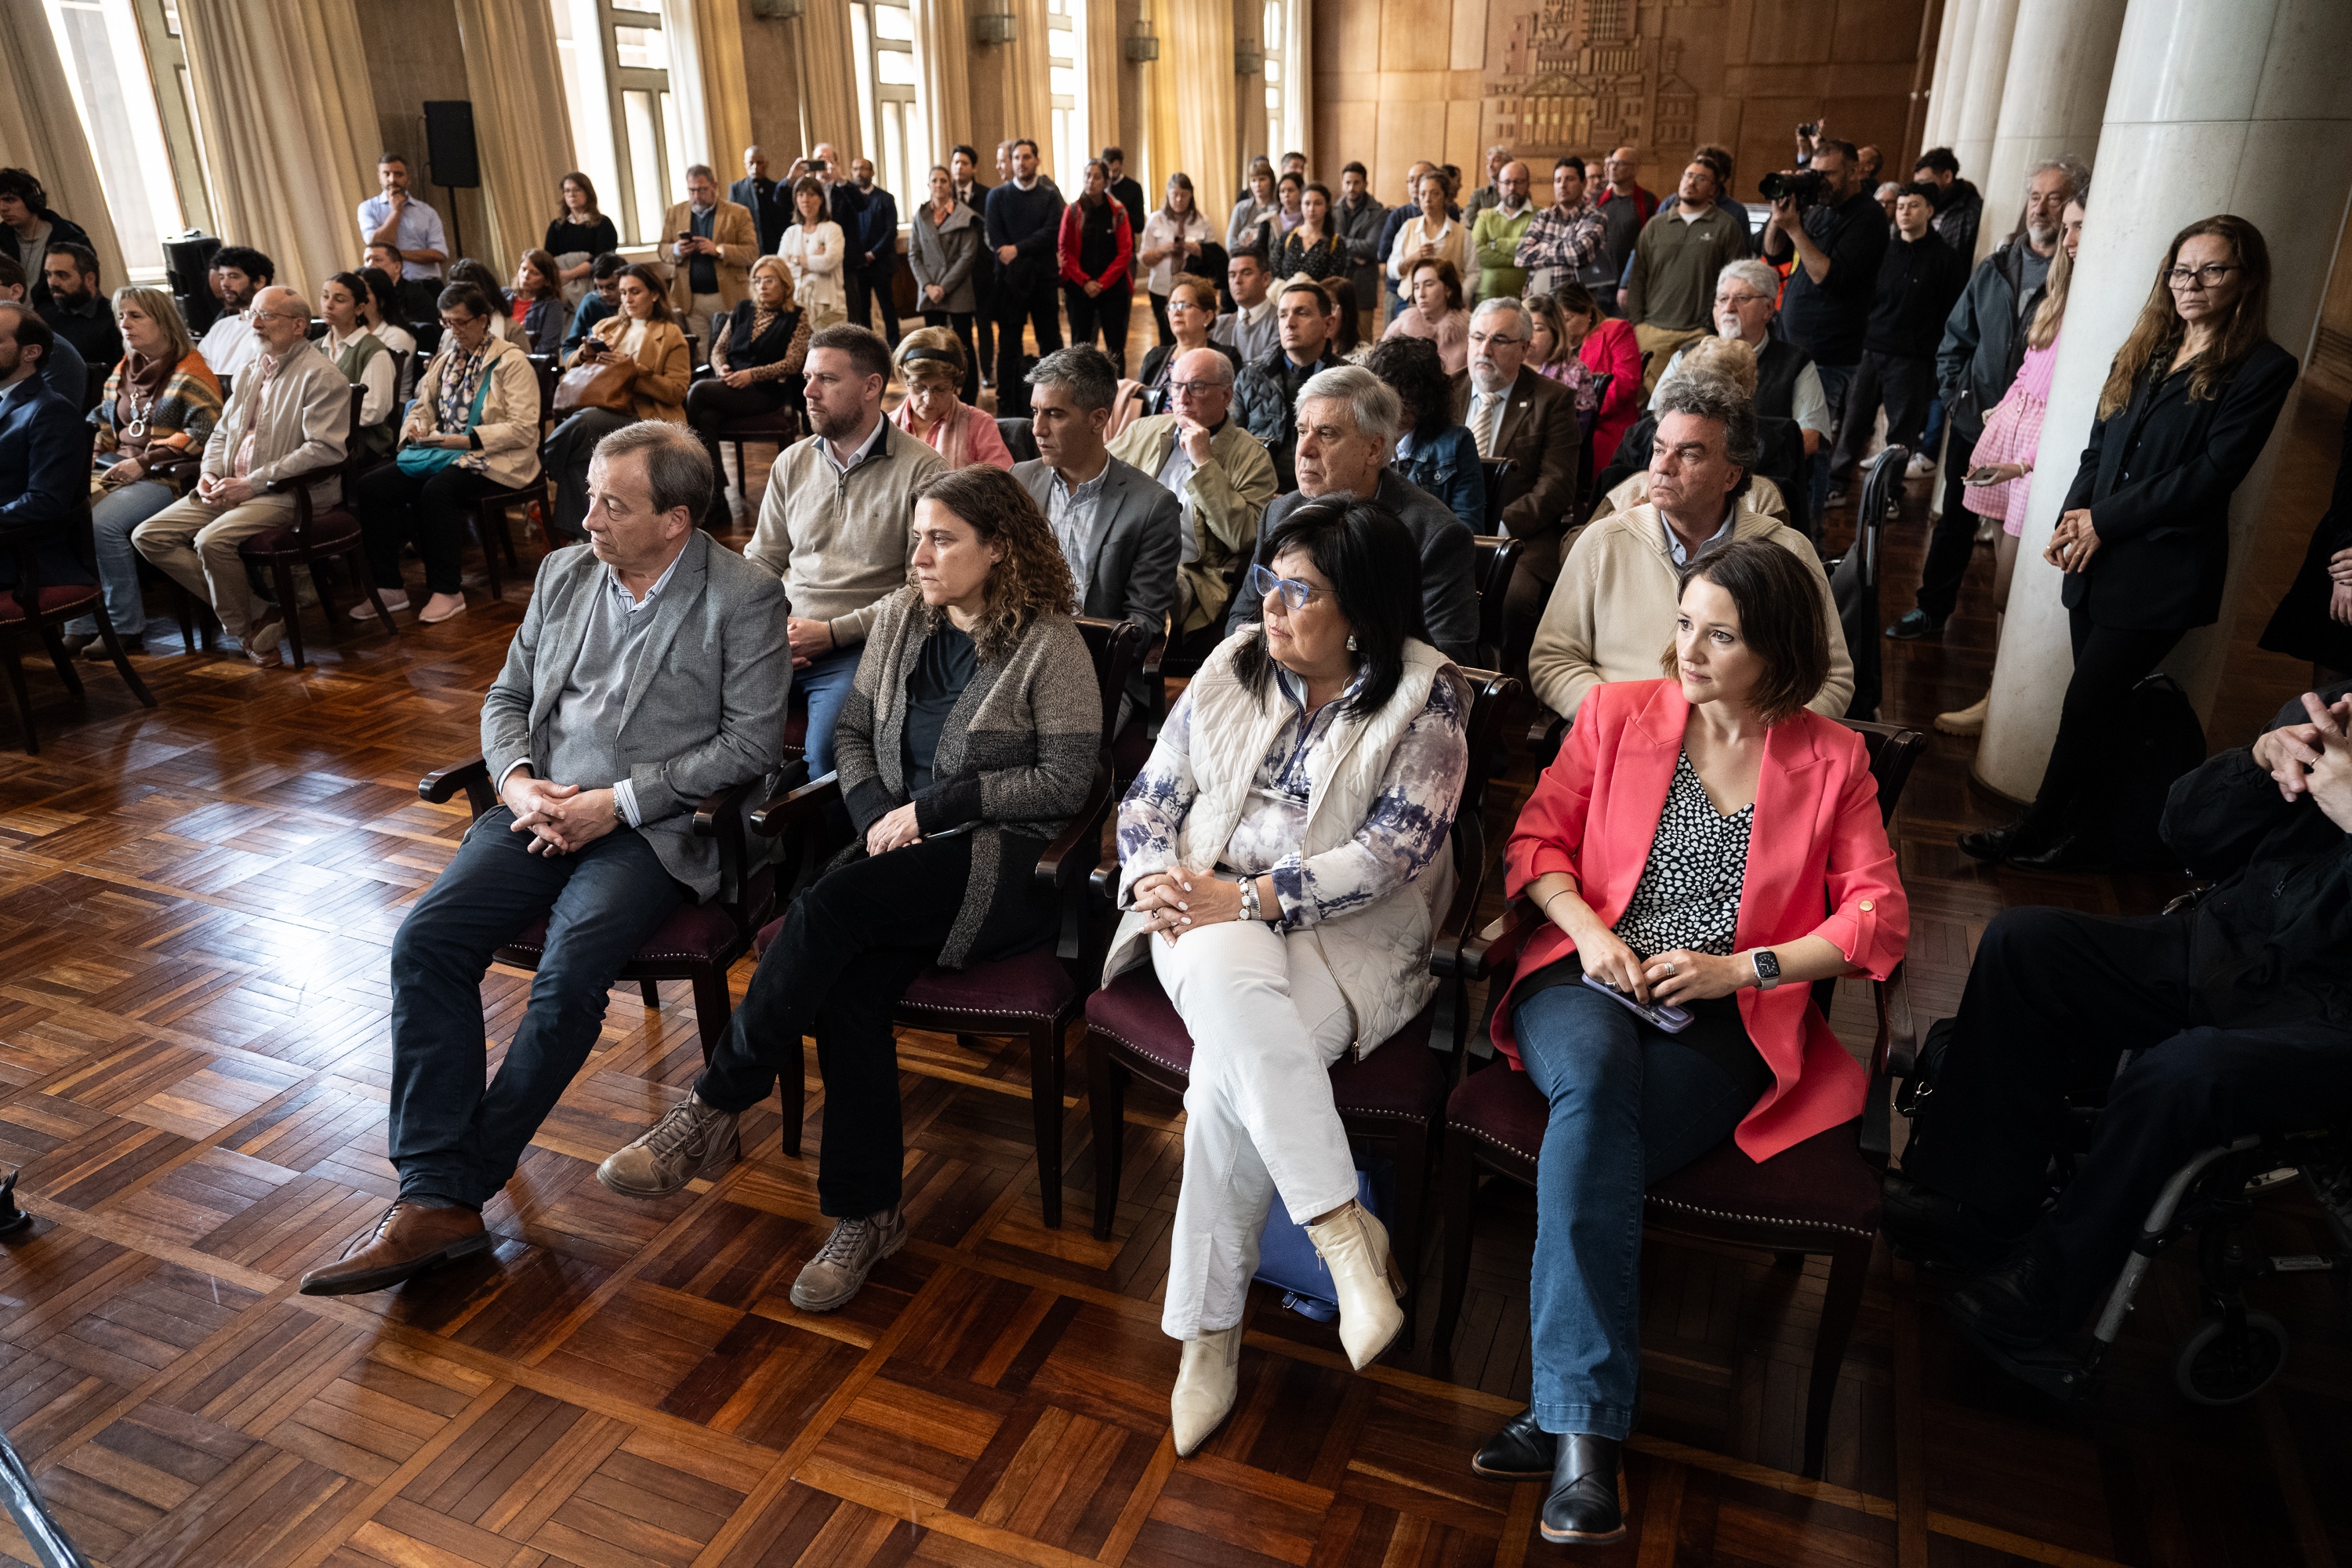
(186, 260)
(449, 143)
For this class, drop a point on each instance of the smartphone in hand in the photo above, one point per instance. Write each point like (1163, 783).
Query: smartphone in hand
(1665, 1015)
(1984, 474)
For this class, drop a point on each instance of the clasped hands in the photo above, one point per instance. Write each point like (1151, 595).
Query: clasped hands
(561, 818)
(222, 491)
(1173, 902)
(2314, 758)
(2072, 542)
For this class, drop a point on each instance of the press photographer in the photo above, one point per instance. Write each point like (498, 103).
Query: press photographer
(1834, 225)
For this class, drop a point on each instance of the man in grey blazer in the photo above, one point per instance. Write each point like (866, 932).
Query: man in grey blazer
(652, 670)
(1120, 532)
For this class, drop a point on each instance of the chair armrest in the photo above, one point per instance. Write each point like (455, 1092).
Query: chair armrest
(1892, 1056)
(1104, 881)
(1066, 860)
(1446, 946)
(1545, 736)
(719, 816)
(473, 777)
(1494, 951)
(795, 806)
(302, 481)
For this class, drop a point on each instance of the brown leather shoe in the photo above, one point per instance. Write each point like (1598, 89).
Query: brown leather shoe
(406, 1240)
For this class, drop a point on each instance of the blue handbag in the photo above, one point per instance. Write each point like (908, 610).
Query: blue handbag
(1286, 1259)
(433, 459)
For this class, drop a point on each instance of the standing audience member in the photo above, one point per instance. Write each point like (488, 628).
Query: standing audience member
(1436, 313)
(963, 164)
(649, 671)
(396, 218)
(161, 405)
(77, 310)
(768, 202)
(1097, 249)
(364, 360)
(1496, 232)
(943, 253)
(42, 476)
(1124, 188)
(843, 200)
(1918, 282)
(1265, 392)
(1024, 226)
(28, 226)
(577, 235)
(1397, 216)
(1837, 244)
(1717, 157)
(758, 352)
(813, 250)
(1624, 208)
(643, 343)
(538, 303)
(1675, 265)
(1289, 191)
(1251, 227)
(240, 273)
(603, 299)
(834, 522)
(2143, 539)
(1173, 240)
(877, 261)
(710, 244)
(1249, 329)
(1433, 448)
(1528, 421)
(1959, 206)
(1430, 234)
(289, 412)
(61, 369)
(1314, 249)
(1358, 219)
(1221, 478)
(1563, 239)
(473, 430)
(1490, 193)
(934, 367)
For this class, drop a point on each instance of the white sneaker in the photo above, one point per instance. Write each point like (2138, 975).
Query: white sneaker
(1919, 468)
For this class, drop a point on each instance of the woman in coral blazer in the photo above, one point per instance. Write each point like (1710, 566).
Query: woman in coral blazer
(1707, 842)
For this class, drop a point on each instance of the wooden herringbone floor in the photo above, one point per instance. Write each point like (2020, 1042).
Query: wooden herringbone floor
(195, 905)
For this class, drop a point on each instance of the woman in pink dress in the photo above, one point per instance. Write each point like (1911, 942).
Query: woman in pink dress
(2001, 472)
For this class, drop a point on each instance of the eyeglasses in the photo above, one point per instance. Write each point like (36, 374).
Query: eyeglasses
(458, 324)
(1294, 593)
(2209, 276)
(1494, 340)
(1193, 388)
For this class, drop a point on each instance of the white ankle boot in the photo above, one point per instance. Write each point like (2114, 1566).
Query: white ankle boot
(1355, 1247)
(1206, 1380)
(1968, 721)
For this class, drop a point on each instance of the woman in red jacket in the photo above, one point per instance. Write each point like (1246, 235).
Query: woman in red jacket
(1706, 842)
(1098, 246)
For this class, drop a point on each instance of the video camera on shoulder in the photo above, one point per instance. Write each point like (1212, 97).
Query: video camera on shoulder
(1802, 187)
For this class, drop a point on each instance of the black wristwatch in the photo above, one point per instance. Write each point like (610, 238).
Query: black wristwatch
(1767, 968)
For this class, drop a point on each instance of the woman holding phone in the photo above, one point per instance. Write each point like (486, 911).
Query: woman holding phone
(1682, 851)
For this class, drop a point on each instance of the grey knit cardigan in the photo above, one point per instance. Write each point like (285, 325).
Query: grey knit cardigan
(1015, 755)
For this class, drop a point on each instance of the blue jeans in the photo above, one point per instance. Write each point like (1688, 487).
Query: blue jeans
(1835, 381)
(112, 517)
(452, 1138)
(1630, 1104)
(825, 683)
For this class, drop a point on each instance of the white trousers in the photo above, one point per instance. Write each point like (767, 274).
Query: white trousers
(1267, 1021)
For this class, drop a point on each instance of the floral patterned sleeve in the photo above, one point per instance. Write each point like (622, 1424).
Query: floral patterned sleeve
(1157, 803)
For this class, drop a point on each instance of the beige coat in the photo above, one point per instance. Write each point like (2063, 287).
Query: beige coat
(663, 369)
(738, 238)
(305, 427)
(511, 414)
(1224, 501)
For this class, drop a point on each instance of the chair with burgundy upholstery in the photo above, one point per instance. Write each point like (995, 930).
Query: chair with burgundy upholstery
(1395, 1095)
(36, 609)
(1820, 1196)
(1033, 995)
(315, 537)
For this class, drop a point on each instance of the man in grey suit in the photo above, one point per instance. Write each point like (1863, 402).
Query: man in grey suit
(651, 658)
(1347, 421)
(1120, 532)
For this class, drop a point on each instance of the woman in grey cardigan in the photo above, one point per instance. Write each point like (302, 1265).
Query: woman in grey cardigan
(943, 251)
(965, 747)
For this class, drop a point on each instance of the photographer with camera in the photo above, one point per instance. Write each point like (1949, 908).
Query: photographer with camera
(1832, 223)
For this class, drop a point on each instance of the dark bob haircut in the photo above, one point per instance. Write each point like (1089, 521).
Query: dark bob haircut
(1368, 557)
(1414, 369)
(1780, 619)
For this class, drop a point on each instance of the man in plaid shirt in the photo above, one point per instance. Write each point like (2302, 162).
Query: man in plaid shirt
(1565, 236)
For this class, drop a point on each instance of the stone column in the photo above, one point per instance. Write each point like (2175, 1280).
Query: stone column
(2237, 109)
(1951, 65)
(1970, 132)
(2055, 96)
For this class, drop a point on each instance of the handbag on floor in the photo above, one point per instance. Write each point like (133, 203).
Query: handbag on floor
(1286, 1259)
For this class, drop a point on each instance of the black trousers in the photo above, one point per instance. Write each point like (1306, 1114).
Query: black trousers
(2054, 997)
(866, 291)
(1106, 314)
(435, 510)
(2109, 662)
(983, 315)
(1955, 540)
(711, 403)
(849, 950)
(960, 323)
(1905, 385)
(1167, 334)
(1039, 308)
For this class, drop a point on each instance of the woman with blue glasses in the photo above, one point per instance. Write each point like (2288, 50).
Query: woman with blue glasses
(1282, 867)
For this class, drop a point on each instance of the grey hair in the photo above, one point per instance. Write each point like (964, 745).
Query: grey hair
(2077, 173)
(705, 170)
(1224, 373)
(1760, 278)
(1512, 303)
(1377, 409)
(1704, 396)
(1085, 371)
(677, 464)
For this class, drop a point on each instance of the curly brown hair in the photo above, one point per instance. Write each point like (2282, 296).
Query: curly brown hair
(1033, 578)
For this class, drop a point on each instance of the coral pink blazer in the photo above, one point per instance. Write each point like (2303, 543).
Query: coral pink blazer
(1816, 844)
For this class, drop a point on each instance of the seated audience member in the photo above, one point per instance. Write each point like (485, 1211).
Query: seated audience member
(160, 407)
(2235, 1005)
(1528, 421)
(62, 370)
(645, 341)
(967, 744)
(379, 308)
(240, 273)
(1436, 313)
(834, 522)
(42, 480)
(28, 226)
(1787, 385)
(1623, 482)
(649, 671)
(537, 304)
(1221, 479)
(1551, 352)
(1122, 533)
(288, 414)
(758, 352)
(384, 256)
(363, 359)
(1682, 850)
(1433, 450)
(932, 368)
(1266, 390)
(1605, 346)
(577, 235)
(503, 320)
(944, 254)
(1435, 233)
(473, 430)
(1617, 589)
(1348, 422)
(603, 299)
(708, 245)
(1250, 329)
(1192, 310)
(1919, 281)
(1284, 938)
(1096, 252)
(78, 310)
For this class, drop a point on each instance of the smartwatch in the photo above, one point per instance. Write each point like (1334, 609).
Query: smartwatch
(1767, 968)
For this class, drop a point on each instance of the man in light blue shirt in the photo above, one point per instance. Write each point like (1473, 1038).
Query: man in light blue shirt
(398, 219)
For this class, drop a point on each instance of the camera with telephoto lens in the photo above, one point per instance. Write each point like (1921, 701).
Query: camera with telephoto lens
(1804, 188)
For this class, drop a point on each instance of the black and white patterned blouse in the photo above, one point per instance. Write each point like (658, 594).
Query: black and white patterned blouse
(1689, 893)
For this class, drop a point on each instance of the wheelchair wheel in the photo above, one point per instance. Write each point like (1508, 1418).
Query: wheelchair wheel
(2217, 1367)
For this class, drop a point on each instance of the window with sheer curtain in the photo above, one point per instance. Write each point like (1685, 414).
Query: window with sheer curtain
(1270, 36)
(891, 119)
(1066, 32)
(139, 121)
(614, 60)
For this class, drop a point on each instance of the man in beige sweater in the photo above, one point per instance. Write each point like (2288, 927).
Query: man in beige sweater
(1612, 614)
(836, 524)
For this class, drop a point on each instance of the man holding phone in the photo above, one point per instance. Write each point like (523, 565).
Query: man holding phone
(711, 245)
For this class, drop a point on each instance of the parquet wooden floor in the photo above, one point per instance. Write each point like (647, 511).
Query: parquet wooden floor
(195, 905)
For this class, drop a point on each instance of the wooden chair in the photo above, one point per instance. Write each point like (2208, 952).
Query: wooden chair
(1020, 439)
(1497, 556)
(1035, 994)
(39, 609)
(1820, 1196)
(1495, 470)
(782, 427)
(314, 538)
(490, 509)
(1395, 1095)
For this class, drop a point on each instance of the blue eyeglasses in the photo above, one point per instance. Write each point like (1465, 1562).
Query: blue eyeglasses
(1294, 593)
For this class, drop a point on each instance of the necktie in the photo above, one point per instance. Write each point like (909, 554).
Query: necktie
(1486, 420)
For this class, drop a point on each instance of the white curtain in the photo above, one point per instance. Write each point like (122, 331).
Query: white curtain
(706, 73)
(40, 130)
(1296, 132)
(522, 129)
(1189, 98)
(943, 67)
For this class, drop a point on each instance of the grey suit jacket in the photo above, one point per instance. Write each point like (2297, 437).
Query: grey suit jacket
(1138, 533)
(1449, 588)
(704, 711)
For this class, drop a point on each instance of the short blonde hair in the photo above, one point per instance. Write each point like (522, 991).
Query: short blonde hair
(1730, 358)
(916, 361)
(775, 263)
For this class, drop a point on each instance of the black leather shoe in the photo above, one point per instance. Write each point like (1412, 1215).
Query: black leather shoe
(1990, 843)
(2069, 854)
(2014, 1304)
(1915, 625)
(1521, 1451)
(1583, 1507)
(1928, 1227)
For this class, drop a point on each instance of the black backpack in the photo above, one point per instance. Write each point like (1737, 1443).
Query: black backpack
(2161, 741)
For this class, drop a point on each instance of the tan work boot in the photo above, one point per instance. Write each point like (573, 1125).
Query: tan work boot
(839, 1270)
(1207, 1383)
(1968, 721)
(1355, 1247)
(693, 1139)
(406, 1240)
